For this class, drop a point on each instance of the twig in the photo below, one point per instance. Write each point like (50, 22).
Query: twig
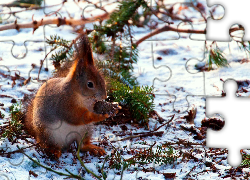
(144, 134)
(110, 3)
(55, 12)
(165, 123)
(70, 175)
(188, 174)
(81, 162)
(113, 47)
(98, 7)
(6, 96)
(175, 17)
(196, 8)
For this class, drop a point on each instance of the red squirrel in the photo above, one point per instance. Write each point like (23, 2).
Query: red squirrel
(62, 110)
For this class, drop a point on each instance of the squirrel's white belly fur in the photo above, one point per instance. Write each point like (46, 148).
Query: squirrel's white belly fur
(63, 133)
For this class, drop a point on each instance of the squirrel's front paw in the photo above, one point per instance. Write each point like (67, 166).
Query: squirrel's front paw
(106, 116)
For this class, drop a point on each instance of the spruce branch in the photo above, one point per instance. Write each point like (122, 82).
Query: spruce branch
(139, 99)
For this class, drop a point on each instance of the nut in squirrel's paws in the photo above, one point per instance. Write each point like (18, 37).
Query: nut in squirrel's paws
(106, 108)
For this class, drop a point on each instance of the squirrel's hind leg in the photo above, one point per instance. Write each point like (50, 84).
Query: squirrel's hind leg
(93, 149)
(54, 153)
(51, 150)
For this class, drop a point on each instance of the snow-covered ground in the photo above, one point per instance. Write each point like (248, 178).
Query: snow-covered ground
(164, 56)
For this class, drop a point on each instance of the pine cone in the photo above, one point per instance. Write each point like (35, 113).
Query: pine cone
(103, 107)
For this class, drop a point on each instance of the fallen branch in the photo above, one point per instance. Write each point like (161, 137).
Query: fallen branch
(169, 28)
(190, 31)
(58, 21)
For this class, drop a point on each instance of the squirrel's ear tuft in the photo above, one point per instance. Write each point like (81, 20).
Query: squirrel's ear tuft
(84, 50)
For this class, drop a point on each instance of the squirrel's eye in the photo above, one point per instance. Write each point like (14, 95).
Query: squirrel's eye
(90, 84)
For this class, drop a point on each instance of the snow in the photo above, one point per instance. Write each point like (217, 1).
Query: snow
(179, 84)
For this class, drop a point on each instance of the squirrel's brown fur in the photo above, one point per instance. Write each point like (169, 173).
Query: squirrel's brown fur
(62, 110)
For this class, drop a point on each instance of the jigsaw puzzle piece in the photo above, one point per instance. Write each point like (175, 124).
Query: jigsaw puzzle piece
(165, 53)
(174, 13)
(18, 81)
(182, 131)
(233, 109)
(11, 10)
(153, 73)
(58, 32)
(21, 46)
(78, 13)
(195, 12)
(151, 24)
(218, 29)
(5, 13)
(17, 68)
(205, 12)
(224, 60)
(4, 70)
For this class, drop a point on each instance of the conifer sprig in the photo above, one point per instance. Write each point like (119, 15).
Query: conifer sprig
(216, 56)
(64, 48)
(14, 128)
(120, 17)
(139, 99)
